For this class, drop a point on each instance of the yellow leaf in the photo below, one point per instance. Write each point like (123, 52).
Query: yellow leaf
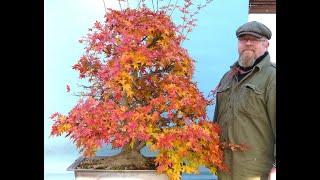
(118, 41)
(122, 81)
(148, 143)
(129, 93)
(213, 170)
(190, 170)
(127, 88)
(64, 128)
(136, 65)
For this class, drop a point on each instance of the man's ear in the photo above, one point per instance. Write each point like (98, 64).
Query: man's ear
(267, 44)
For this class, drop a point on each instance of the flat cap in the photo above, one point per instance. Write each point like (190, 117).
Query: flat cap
(254, 28)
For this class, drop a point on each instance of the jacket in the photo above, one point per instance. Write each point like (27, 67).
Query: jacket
(246, 113)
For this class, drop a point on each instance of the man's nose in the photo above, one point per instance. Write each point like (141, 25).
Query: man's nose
(249, 41)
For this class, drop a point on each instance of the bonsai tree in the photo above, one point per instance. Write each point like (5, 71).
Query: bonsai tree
(141, 93)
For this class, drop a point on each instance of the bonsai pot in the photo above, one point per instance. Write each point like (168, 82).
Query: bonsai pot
(101, 174)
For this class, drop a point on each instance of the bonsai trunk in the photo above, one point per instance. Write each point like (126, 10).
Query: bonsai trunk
(129, 158)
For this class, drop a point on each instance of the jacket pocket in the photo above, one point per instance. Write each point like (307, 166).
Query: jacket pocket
(253, 88)
(222, 89)
(251, 100)
(223, 94)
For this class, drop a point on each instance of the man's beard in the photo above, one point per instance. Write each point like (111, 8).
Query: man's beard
(246, 61)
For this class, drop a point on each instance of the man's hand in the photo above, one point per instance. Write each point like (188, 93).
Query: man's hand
(272, 174)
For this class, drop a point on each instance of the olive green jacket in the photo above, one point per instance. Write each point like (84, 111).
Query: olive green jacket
(246, 113)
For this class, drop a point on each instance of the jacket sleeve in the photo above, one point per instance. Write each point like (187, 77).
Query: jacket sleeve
(271, 107)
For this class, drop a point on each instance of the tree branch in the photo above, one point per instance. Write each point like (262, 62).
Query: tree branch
(120, 5)
(174, 7)
(152, 5)
(154, 40)
(140, 145)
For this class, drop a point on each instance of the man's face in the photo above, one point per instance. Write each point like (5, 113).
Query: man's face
(250, 48)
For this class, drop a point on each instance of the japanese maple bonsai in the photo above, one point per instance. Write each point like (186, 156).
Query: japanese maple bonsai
(141, 93)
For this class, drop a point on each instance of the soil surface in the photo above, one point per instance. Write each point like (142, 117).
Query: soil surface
(127, 161)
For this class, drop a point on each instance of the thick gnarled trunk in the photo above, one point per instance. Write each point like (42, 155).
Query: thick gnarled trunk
(129, 158)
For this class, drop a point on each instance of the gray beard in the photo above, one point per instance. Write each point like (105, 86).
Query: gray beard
(245, 62)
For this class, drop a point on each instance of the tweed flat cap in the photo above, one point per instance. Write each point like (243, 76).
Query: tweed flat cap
(254, 28)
